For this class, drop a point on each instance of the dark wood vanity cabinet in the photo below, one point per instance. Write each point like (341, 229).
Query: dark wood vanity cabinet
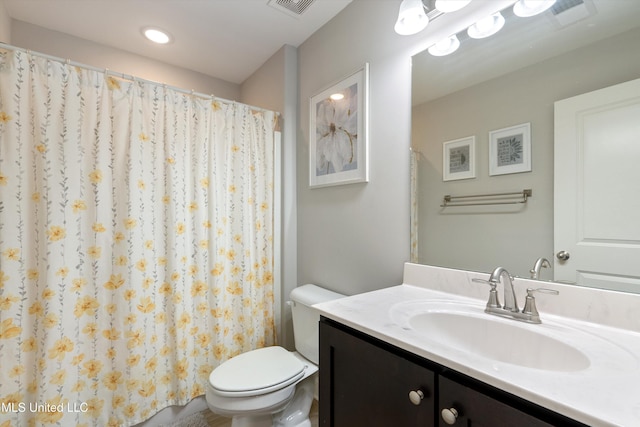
(363, 384)
(475, 409)
(366, 382)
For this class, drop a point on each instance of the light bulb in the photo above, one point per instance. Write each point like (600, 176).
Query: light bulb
(445, 46)
(526, 8)
(411, 18)
(486, 26)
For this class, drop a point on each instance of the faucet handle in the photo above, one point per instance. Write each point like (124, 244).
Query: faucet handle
(530, 301)
(493, 293)
(530, 291)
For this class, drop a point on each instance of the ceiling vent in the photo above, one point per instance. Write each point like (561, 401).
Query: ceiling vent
(293, 8)
(561, 6)
(568, 12)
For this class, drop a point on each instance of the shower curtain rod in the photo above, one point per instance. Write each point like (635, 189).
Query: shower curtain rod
(130, 77)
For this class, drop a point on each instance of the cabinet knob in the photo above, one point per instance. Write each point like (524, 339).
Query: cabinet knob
(449, 415)
(416, 396)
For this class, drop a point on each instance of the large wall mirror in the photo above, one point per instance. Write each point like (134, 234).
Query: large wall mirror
(465, 104)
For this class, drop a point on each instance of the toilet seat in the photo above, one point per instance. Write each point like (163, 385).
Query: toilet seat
(256, 372)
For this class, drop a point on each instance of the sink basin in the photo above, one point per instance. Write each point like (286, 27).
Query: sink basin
(467, 328)
(494, 338)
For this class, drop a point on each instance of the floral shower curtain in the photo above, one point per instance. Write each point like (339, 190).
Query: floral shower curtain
(136, 242)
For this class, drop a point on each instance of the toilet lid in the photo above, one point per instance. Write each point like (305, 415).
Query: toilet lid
(257, 372)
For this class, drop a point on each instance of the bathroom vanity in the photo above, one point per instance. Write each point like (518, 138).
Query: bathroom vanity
(369, 382)
(425, 353)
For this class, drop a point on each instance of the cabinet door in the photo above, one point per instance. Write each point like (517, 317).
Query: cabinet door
(475, 409)
(362, 384)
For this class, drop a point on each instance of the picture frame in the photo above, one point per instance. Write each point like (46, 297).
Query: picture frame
(510, 150)
(459, 159)
(339, 132)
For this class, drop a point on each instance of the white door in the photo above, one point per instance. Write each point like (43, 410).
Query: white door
(597, 188)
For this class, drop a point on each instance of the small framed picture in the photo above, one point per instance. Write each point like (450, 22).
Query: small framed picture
(459, 159)
(338, 126)
(510, 150)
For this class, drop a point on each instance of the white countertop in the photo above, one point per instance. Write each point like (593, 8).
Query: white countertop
(606, 393)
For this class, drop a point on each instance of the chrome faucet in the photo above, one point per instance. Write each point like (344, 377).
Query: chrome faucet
(510, 303)
(539, 265)
(510, 309)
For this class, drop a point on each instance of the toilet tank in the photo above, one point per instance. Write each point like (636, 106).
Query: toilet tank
(306, 318)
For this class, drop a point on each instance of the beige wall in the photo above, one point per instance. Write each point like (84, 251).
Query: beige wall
(62, 45)
(265, 87)
(274, 86)
(355, 238)
(5, 24)
(483, 238)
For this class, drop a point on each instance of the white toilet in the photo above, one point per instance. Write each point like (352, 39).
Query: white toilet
(272, 386)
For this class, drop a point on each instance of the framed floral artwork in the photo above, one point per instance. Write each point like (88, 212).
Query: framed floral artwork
(459, 159)
(510, 150)
(338, 127)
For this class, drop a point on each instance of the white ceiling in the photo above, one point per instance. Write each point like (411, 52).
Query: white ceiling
(227, 39)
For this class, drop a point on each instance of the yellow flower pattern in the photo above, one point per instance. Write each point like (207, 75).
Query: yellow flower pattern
(95, 176)
(11, 254)
(4, 117)
(124, 299)
(113, 83)
(79, 205)
(8, 329)
(56, 233)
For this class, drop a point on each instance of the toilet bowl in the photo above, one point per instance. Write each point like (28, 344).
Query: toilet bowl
(271, 386)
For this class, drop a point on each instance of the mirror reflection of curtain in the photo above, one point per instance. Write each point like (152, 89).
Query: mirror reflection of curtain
(415, 157)
(136, 242)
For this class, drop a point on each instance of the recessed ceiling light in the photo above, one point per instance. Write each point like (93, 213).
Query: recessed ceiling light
(156, 35)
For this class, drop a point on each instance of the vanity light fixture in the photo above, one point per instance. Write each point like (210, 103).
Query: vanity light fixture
(486, 26)
(526, 8)
(445, 46)
(447, 6)
(156, 35)
(412, 18)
